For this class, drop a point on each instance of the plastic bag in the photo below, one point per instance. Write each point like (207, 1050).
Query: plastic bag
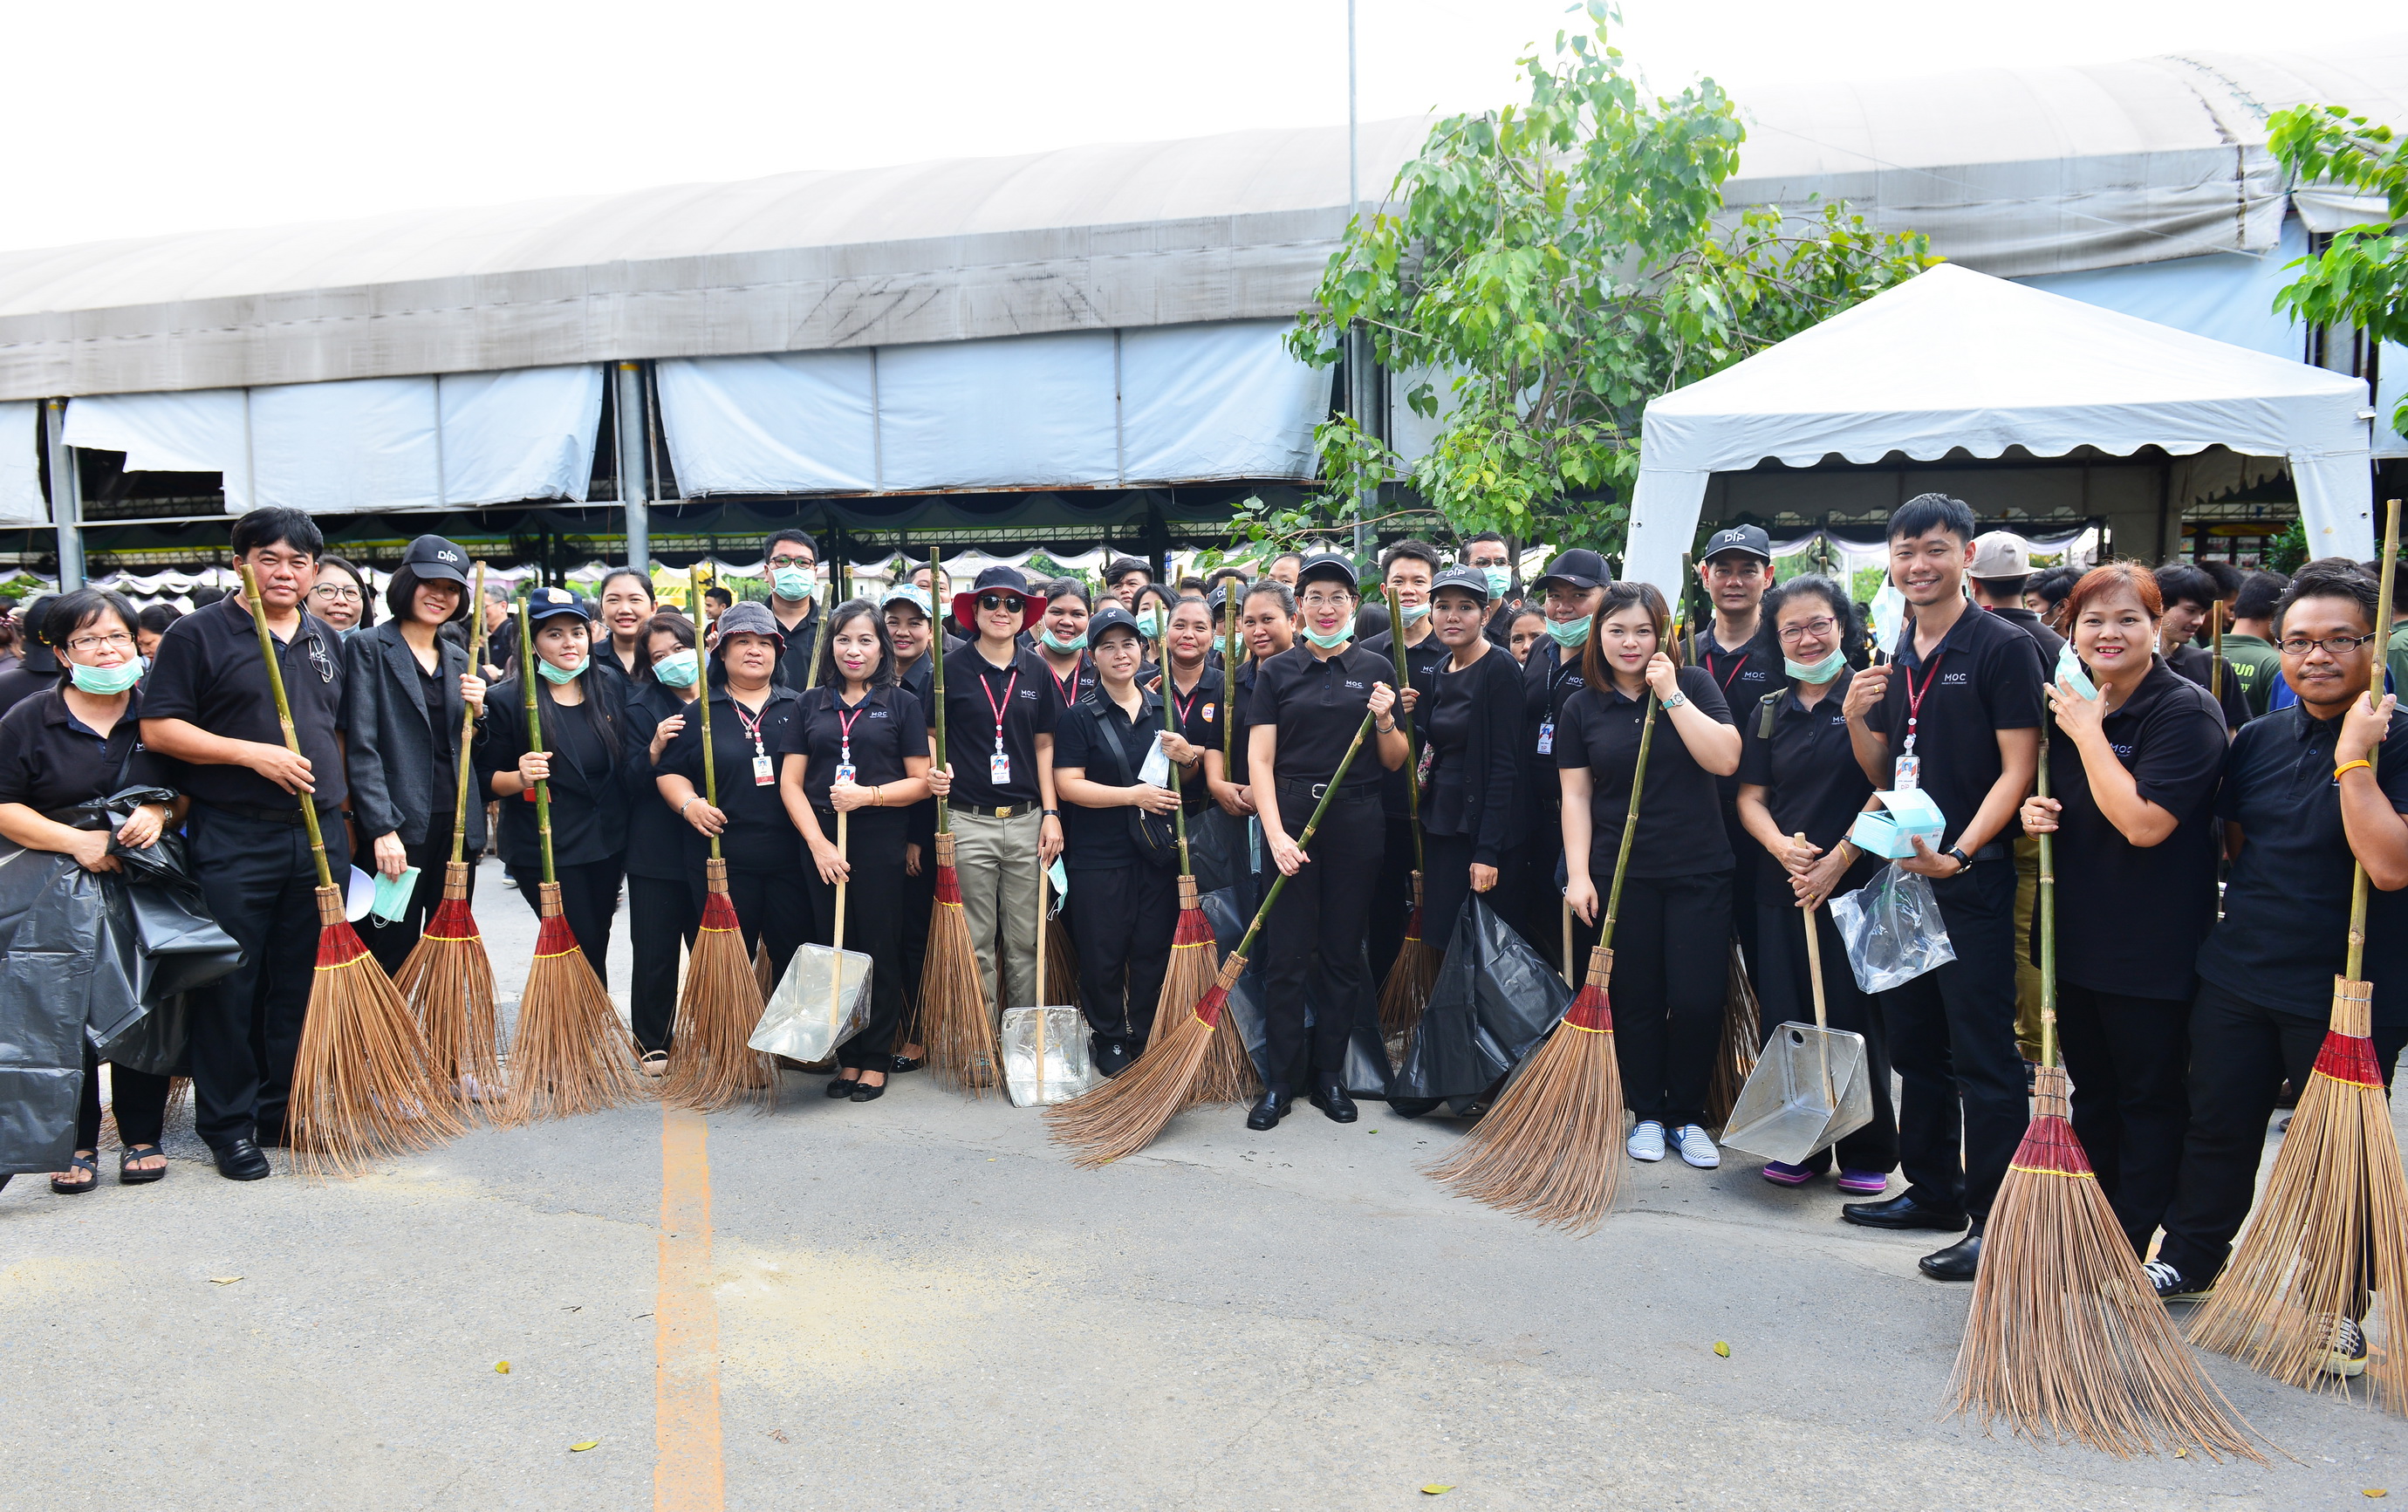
(1893, 929)
(1368, 1072)
(1494, 999)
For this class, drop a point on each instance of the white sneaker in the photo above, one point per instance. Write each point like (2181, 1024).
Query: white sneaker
(1647, 1141)
(1698, 1146)
(2344, 1348)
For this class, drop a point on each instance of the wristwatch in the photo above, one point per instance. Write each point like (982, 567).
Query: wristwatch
(1964, 863)
(1050, 813)
(1673, 701)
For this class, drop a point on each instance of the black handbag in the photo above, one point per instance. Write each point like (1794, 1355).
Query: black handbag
(1152, 834)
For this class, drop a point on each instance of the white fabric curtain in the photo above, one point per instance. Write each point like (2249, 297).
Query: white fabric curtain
(1218, 401)
(1023, 412)
(522, 433)
(20, 465)
(797, 422)
(202, 430)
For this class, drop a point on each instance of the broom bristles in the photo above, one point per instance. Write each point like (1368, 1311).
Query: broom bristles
(1228, 1073)
(712, 1064)
(570, 1055)
(956, 1025)
(1551, 1147)
(447, 979)
(1124, 1115)
(1742, 1041)
(2066, 1338)
(1407, 990)
(2333, 1225)
(360, 1083)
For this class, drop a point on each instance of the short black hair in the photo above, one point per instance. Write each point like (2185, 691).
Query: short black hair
(718, 594)
(156, 618)
(2259, 593)
(2004, 587)
(802, 537)
(2179, 582)
(1121, 567)
(260, 528)
(2332, 577)
(1410, 550)
(1058, 586)
(1283, 556)
(69, 612)
(2399, 581)
(1472, 541)
(1843, 609)
(1927, 513)
(403, 588)
(204, 597)
(2225, 577)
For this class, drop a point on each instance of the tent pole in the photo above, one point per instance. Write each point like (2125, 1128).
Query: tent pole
(634, 493)
(67, 497)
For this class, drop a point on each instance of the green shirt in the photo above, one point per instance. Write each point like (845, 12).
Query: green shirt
(2257, 663)
(2395, 656)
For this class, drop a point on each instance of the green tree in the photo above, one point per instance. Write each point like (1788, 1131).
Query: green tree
(2360, 279)
(1559, 264)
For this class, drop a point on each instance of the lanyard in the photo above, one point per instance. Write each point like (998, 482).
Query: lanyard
(1739, 666)
(1069, 690)
(1182, 710)
(988, 689)
(1915, 695)
(751, 723)
(1556, 676)
(844, 728)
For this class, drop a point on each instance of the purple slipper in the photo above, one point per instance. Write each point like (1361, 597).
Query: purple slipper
(1782, 1173)
(1864, 1183)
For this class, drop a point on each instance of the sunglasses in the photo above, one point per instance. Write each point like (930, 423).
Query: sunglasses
(1000, 600)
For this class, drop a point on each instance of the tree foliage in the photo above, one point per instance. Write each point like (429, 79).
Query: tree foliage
(1556, 264)
(2361, 277)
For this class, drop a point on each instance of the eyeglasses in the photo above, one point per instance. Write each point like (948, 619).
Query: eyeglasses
(1325, 600)
(792, 561)
(2337, 647)
(1000, 600)
(1815, 627)
(87, 644)
(329, 590)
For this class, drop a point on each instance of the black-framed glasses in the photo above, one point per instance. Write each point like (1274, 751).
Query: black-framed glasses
(803, 562)
(1796, 633)
(2335, 646)
(998, 600)
(333, 591)
(92, 645)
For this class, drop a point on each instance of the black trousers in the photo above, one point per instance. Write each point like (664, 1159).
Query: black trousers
(661, 920)
(391, 944)
(139, 1099)
(1672, 968)
(919, 905)
(873, 923)
(1320, 916)
(1392, 901)
(1747, 854)
(1527, 893)
(1952, 1040)
(1785, 989)
(771, 907)
(1445, 884)
(1122, 920)
(589, 895)
(262, 887)
(2129, 1058)
(2241, 1053)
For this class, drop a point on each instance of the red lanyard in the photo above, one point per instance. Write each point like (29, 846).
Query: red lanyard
(1070, 690)
(988, 689)
(1915, 695)
(1738, 667)
(1183, 710)
(844, 727)
(752, 724)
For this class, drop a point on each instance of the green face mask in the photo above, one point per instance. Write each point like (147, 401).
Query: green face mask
(1568, 634)
(1150, 622)
(101, 682)
(1061, 647)
(1817, 672)
(677, 670)
(1334, 639)
(790, 583)
(1415, 613)
(556, 676)
(1499, 581)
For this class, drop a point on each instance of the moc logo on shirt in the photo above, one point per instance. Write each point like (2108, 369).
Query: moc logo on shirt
(1356, 686)
(1953, 680)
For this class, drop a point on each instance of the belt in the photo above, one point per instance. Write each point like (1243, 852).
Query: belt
(1316, 791)
(284, 817)
(992, 811)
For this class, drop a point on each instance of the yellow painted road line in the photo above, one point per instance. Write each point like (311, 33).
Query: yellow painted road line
(687, 1473)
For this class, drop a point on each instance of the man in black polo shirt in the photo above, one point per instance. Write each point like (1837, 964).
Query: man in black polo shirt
(2000, 572)
(1956, 713)
(793, 565)
(2190, 597)
(208, 703)
(1573, 588)
(1746, 664)
(1409, 567)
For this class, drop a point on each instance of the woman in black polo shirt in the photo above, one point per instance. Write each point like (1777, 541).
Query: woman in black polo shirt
(858, 745)
(1124, 905)
(1267, 629)
(1195, 693)
(623, 609)
(2306, 790)
(1062, 641)
(584, 720)
(78, 743)
(1671, 953)
(2132, 772)
(1798, 775)
(1308, 705)
(750, 715)
(662, 915)
(1475, 713)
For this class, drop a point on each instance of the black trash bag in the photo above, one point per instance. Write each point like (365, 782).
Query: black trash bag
(1494, 999)
(1216, 848)
(178, 948)
(1367, 1071)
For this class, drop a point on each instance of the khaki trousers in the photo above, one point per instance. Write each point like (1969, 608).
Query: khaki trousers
(996, 863)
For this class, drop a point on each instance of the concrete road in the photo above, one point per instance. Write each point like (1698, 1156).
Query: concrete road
(919, 1303)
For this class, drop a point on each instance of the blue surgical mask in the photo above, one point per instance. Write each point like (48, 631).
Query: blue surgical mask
(1334, 639)
(2070, 671)
(103, 681)
(1149, 624)
(557, 676)
(1819, 672)
(1499, 581)
(1570, 634)
(1415, 613)
(1060, 646)
(790, 583)
(677, 670)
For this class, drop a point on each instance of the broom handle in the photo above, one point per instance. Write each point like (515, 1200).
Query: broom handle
(2373, 696)
(1230, 678)
(527, 675)
(468, 716)
(1629, 822)
(1246, 945)
(1404, 680)
(936, 653)
(293, 738)
(1040, 980)
(1815, 973)
(2047, 902)
(1567, 942)
(1178, 782)
(695, 580)
(836, 963)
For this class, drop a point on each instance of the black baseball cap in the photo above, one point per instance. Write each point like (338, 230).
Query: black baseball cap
(1470, 580)
(1747, 539)
(1579, 568)
(1327, 565)
(1112, 617)
(435, 559)
(555, 603)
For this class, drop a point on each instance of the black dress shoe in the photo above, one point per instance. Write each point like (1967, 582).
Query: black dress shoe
(904, 1063)
(1330, 1098)
(241, 1160)
(1110, 1055)
(1902, 1212)
(842, 1085)
(1958, 1263)
(1274, 1105)
(863, 1093)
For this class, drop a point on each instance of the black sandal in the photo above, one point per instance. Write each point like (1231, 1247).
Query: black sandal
(130, 1175)
(76, 1189)
(843, 1086)
(907, 1063)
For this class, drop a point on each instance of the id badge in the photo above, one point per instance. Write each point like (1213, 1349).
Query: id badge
(1547, 738)
(998, 769)
(764, 775)
(844, 772)
(1908, 774)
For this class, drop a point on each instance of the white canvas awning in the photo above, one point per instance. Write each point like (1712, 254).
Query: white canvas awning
(1958, 359)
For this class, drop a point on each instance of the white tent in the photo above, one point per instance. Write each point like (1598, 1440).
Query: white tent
(1957, 359)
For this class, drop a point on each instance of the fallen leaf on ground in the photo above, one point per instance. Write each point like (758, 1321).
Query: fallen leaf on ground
(501, 1367)
(589, 1444)
(2374, 1491)
(1436, 1490)
(2181, 1453)
(1721, 1348)
(223, 1280)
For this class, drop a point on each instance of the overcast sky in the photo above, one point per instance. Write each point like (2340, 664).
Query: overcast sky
(142, 118)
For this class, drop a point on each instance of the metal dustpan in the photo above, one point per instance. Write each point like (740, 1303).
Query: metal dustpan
(822, 1001)
(1044, 1048)
(1810, 1089)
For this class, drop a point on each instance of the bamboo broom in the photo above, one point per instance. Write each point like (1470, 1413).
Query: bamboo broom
(1406, 992)
(2333, 1223)
(447, 978)
(2066, 1338)
(957, 1022)
(1125, 1113)
(1228, 1070)
(1194, 955)
(360, 1085)
(711, 1063)
(1550, 1147)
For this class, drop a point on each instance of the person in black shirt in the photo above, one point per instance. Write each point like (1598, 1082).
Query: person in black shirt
(207, 703)
(1196, 693)
(1671, 939)
(2307, 789)
(858, 745)
(38, 669)
(621, 613)
(1061, 643)
(1956, 713)
(405, 693)
(2133, 773)
(2190, 595)
(792, 561)
(1799, 775)
(750, 715)
(1408, 567)
(1528, 894)
(2000, 572)
(74, 745)
(1123, 904)
(1307, 707)
(585, 728)
(1733, 650)
(1472, 715)
(912, 628)
(662, 915)
(1266, 624)
(1526, 626)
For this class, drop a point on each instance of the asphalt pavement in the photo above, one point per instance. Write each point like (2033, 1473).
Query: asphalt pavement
(920, 1302)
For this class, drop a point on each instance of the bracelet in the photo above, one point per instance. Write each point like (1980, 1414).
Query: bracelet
(1388, 729)
(1050, 813)
(876, 801)
(687, 804)
(2349, 765)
